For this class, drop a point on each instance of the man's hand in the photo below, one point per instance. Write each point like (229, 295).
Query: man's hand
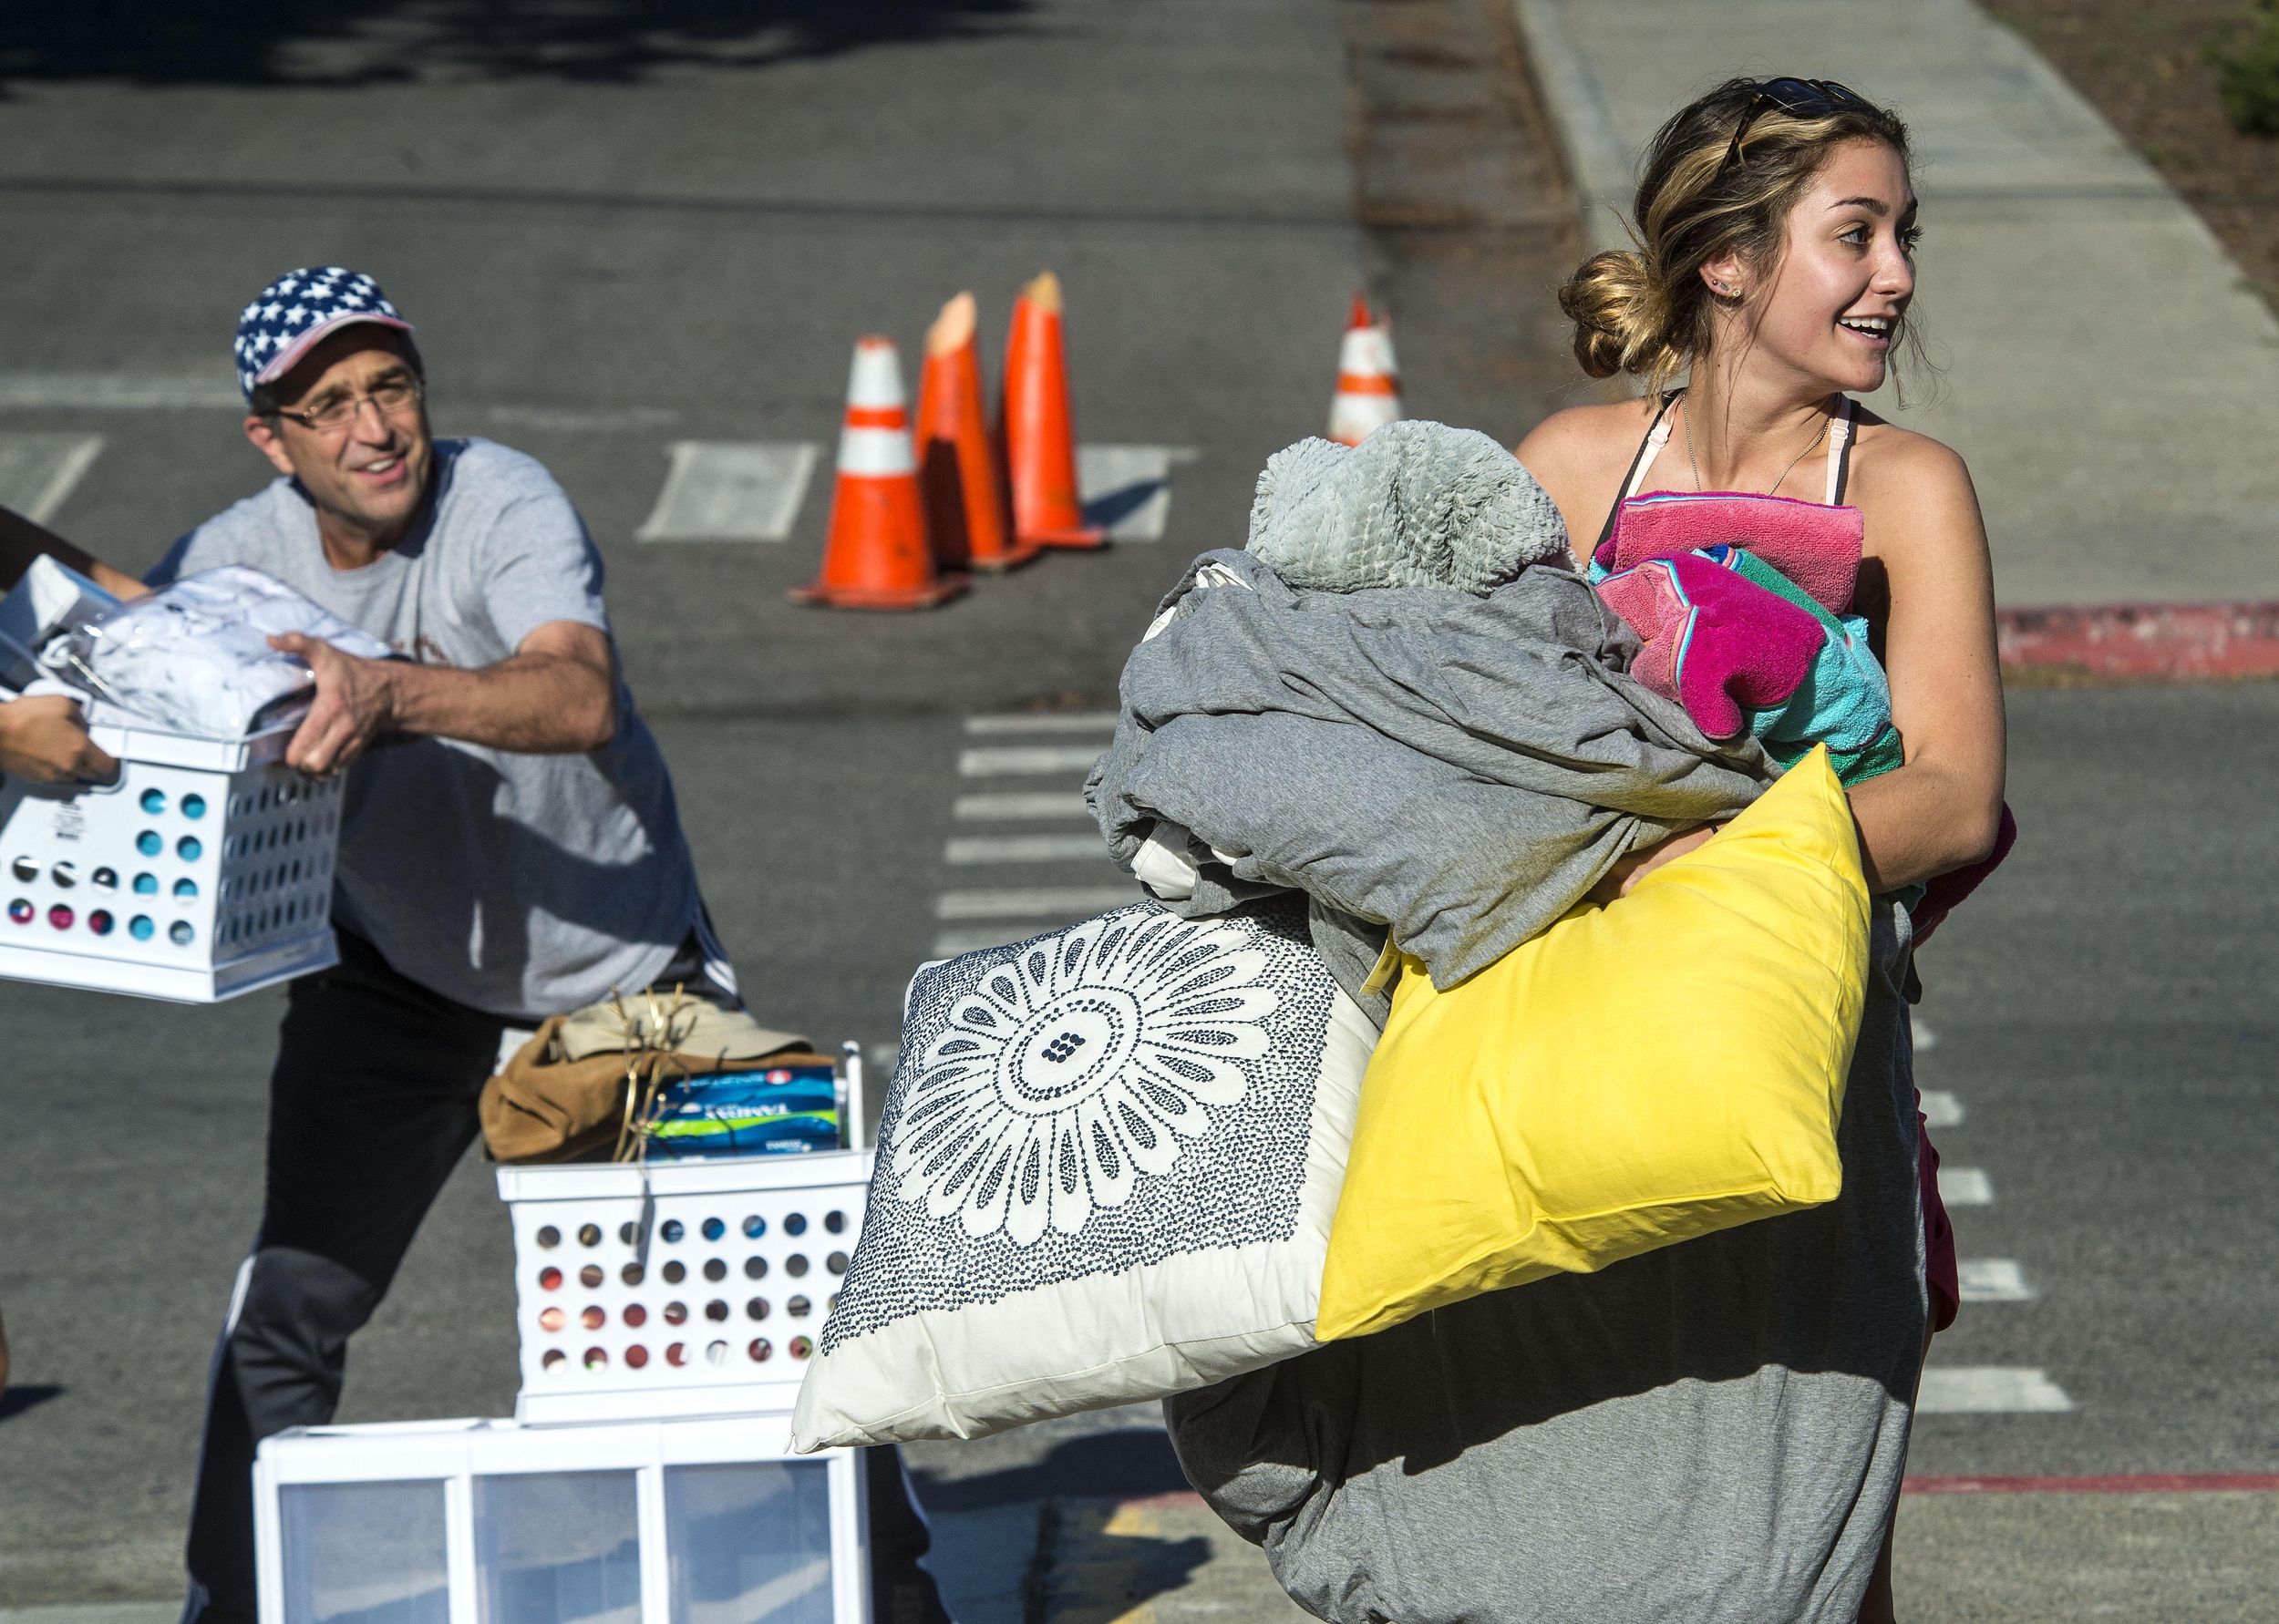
(355, 701)
(45, 739)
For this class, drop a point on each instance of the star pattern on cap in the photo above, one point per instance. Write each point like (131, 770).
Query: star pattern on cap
(288, 314)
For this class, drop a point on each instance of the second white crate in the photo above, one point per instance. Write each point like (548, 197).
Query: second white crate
(677, 1288)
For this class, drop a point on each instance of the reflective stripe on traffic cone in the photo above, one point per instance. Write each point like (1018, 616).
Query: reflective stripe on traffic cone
(1039, 443)
(957, 465)
(876, 556)
(1368, 382)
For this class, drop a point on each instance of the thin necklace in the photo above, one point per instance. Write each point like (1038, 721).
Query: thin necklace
(1777, 484)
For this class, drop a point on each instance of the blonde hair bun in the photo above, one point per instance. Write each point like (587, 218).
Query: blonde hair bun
(1619, 315)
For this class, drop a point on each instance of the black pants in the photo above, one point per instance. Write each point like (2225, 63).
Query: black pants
(371, 1106)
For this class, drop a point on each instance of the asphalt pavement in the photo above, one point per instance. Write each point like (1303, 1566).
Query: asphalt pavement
(623, 229)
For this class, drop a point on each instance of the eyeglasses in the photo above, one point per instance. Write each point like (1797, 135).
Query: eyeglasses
(394, 396)
(1807, 98)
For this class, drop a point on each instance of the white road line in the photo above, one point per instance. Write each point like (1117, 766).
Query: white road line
(974, 937)
(1009, 760)
(1942, 1109)
(1994, 1280)
(1026, 849)
(558, 419)
(1127, 489)
(1926, 1040)
(726, 490)
(1965, 1186)
(37, 471)
(111, 391)
(1042, 721)
(982, 808)
(1038, 902)
(1989, 1390)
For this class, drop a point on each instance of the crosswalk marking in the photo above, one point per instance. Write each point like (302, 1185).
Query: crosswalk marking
(727, 490)
(1025, 849)
(1965, 1186)
(1941, 1109)
(1127, 489)
(1994, 1280)
(1013, 760)
(1042, 721)
(983, 808)
(561, 419)
(37, 471)
(1035, 903)
(972, 938)
(1989, 1390)
(100, 391)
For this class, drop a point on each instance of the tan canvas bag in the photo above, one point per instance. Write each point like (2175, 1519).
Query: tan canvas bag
(579, 1088)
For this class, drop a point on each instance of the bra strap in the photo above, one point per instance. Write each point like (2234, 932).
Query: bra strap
(1656, 436)
(1839, 450)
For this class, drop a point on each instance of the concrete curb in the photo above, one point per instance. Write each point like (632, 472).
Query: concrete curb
(2143, 641)
(1598, 166)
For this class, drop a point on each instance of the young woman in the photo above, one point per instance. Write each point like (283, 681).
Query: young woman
(1775, 270)
(1713, 1433)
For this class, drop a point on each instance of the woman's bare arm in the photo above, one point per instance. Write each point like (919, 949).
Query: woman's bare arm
(20, 542)
(1941, 811)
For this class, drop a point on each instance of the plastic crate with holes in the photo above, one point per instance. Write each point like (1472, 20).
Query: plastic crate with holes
(204, 873)
(682, 1288)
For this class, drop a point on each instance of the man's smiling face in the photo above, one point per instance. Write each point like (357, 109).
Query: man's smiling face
(370, 471)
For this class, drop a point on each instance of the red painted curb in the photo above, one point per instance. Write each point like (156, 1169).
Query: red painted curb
(2145, 640)
(2139, 1483)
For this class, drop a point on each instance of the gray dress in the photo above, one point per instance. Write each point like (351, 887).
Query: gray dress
(1713, 1433)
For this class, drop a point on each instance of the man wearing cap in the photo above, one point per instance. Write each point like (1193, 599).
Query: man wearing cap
(510, 847)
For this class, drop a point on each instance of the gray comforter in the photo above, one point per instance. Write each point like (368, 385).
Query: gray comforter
(1459, 763)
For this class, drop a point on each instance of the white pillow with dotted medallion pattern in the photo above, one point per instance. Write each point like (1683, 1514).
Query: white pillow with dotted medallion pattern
(1106, 1173)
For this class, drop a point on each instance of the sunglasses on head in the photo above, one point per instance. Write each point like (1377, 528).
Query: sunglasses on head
(1806, 98)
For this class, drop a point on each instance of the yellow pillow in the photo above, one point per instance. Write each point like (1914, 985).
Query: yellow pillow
(1643, 1072)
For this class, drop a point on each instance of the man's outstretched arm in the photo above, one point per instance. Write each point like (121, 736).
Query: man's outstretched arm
(555, 695)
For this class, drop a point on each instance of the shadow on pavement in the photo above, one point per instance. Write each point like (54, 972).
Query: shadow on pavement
(17, 1400)
(335, 43)
(1114, 1465)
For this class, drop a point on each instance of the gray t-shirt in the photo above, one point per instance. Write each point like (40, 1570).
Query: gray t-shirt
(521, 885)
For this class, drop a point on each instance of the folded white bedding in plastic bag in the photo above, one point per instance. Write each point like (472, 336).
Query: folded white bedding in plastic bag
(194, 656)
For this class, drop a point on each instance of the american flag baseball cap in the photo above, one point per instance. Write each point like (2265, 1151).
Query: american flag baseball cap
(297, 310)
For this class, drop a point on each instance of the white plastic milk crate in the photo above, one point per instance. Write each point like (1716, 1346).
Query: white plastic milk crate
(678, 1287)
(204, 872)
(492, 1522)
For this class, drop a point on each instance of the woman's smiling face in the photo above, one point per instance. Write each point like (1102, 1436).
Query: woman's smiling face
(1846, 276)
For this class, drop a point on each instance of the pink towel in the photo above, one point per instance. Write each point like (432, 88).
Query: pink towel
(1811, 543)
(1717, 642)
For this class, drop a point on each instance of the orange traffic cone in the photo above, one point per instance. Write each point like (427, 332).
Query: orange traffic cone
(957, 465)
(1368, 382)
(876, 556)
(1040, 445)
